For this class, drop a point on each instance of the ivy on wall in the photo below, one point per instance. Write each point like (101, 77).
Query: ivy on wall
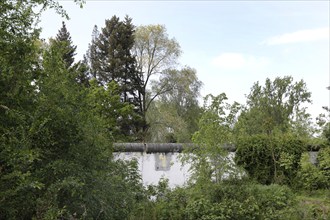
(270, 159)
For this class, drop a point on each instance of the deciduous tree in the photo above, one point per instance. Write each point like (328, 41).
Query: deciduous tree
(19, 68)
(174, 115)
(275, 110)
(55, 156)
(209, 160)
(154, 52)
(278, 106)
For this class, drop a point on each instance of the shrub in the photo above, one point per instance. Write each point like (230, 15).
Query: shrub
(309, 176)
(270, 159)
(324, 164)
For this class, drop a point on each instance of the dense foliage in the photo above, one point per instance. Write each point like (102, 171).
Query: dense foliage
(270, 160)
(235, 199)
(59, 118)
(55, 153)
(111, 60)
(174, 116)
(276, 107)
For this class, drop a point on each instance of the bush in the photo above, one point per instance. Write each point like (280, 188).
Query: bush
(227, 200)
(324, 164)
(309, 176)
(270, 159)
(251, 201)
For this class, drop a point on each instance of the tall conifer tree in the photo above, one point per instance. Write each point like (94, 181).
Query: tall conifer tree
(110, 60)
(64, 41)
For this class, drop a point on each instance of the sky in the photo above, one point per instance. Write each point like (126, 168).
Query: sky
(231, 44)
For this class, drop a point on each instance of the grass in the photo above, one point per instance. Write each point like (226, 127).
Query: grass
(313, 204)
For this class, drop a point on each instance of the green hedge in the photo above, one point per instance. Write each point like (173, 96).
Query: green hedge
(270, 159)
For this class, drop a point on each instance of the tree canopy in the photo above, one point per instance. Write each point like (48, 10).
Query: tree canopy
(278, 106)
(59, 117)
(64, 41)
(155, 52)
(174, 114)
(111, 61)
(55, 153)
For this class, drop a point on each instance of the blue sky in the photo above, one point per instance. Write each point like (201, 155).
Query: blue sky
(231, 44)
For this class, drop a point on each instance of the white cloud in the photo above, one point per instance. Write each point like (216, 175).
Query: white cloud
(234, 61)
(299, 36)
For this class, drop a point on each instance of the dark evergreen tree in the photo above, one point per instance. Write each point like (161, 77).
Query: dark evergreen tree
(92, 57)
(110, 56)
(110, 60)
(80, 69)
(64, 41)
(82, 72)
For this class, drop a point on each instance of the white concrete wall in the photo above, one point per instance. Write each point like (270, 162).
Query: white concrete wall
(154, 166)
(157, 165)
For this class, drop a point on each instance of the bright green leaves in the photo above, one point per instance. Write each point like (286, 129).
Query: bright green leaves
(313, 177)
(55, 145)
(309, 177)
(229, 200)
(210, 160)
(217, 122)
(106, 104)
(276, 107)
(72, 127)
(272, 130)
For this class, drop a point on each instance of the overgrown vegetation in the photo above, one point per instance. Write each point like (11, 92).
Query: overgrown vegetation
(58, 119)
(233, 199)
(270, 160)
